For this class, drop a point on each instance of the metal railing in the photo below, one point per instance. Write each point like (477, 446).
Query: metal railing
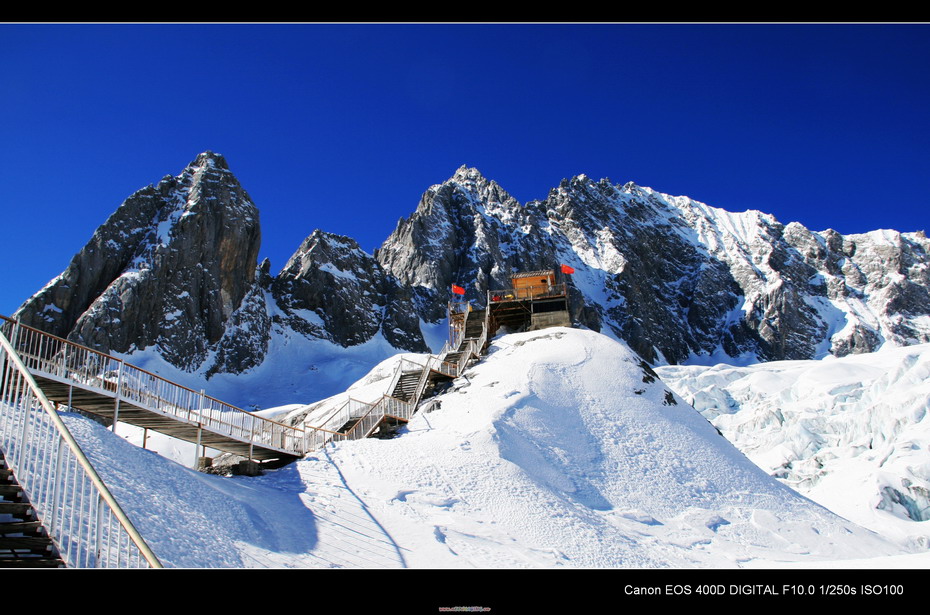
(81, 516)
(65, 361)
(83, 519)
(456, 324)
(362, 418)
(530, 291)
(368, 415)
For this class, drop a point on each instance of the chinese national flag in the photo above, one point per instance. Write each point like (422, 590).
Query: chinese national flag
(567, 269)
(458, 290)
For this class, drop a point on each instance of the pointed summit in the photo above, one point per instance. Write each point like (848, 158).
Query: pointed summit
(209, 159)
(167, 269)
(466, 173)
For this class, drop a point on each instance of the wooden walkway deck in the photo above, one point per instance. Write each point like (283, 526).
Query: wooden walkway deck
(78, 377)
(81, 378)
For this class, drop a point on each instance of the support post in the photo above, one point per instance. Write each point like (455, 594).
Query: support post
(119, 390)
(203, 403)
(197, 447)
(251, 436)
(56, 488)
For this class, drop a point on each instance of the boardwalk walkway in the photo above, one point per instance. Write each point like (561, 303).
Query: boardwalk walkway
(75, 376)
(63, 510)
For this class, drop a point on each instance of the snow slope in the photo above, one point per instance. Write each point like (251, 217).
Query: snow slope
(560, 449)
(851, 433)
(297, 367)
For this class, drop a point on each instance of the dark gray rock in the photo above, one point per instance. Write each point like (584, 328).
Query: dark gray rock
(169, 268)
(331, 288)
(674, 278)
(175, 268)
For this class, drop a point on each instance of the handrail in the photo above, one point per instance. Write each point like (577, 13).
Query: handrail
(530, 291)
(82, 536)
(368, 418)
(421, 385)
(61, 358)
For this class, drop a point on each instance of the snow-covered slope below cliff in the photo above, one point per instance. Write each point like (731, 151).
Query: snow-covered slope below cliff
(852, 433)
(560, 449)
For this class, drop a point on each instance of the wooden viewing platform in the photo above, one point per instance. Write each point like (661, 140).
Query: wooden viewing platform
(534, 301)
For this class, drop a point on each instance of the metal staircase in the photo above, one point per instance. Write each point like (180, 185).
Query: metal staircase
(407, 384)
(55, 510)
(356, 419)
(24, 542)
(75, 376)
(55, 505)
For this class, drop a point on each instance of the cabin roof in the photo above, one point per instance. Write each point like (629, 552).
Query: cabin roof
(533, 274)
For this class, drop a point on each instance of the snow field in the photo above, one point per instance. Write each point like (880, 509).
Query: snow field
(852, 433)
(558, 450)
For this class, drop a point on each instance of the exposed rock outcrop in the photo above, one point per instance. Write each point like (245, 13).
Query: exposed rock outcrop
(175, 268)
(676, 279)
(170, 268)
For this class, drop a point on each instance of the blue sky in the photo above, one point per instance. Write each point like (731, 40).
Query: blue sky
(342, 127)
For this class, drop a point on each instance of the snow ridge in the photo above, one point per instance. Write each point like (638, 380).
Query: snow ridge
(561, 449)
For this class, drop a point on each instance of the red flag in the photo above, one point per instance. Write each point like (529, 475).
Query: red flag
(567, 269)
(458, 290)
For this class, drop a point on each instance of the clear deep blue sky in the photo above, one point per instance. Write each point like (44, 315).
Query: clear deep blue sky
(342, 127)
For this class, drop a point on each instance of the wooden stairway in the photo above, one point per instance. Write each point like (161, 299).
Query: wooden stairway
(24, 542)
(406, 385)
(412, 382)
(473, 324)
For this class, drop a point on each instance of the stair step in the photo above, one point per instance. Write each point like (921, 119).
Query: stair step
(20, 527)
(17, 509)
(10, 490)
(349, 425)
(31, 562)
(39, 544)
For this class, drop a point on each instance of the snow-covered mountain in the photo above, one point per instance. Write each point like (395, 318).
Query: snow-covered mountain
(169, 269)
(173, 273)
(559, 450)
(678, 280)
(852, 433)
(171, 280)
(562, 428)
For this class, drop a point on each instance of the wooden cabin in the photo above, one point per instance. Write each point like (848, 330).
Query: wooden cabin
(535, 300)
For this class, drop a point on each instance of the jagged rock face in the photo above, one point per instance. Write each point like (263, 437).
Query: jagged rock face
(170, 267)
(637, 269)
(330, 288)
(884, 274)
(674, 278)
(244, 344)
(175, 267)
(466, 231)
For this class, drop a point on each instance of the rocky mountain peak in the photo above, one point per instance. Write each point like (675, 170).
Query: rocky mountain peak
(168, 268)
(209, 159)
(175, 267)
(467, 174)
(348, 293)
